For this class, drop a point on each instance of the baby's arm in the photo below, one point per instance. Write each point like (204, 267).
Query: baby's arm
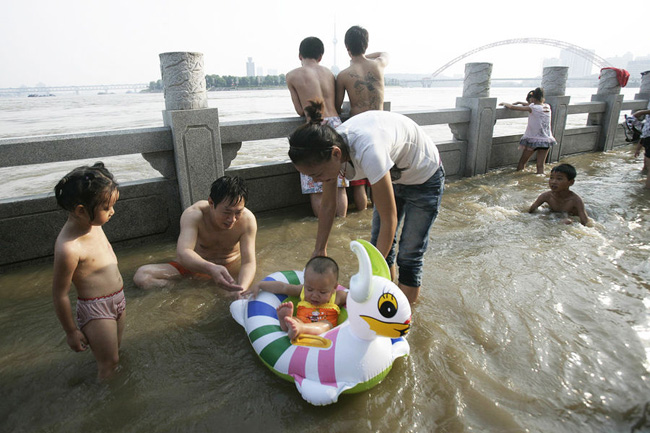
(65, 263)
(341, 297)
(278, 287)
(543, 198)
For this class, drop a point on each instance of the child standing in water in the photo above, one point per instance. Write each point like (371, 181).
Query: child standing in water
(538, 136)
(318, 309)
(83, 256)
(560, 198)
(644, 142)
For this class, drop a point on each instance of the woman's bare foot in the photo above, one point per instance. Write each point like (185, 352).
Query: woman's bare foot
(294, 327)
(284, 310)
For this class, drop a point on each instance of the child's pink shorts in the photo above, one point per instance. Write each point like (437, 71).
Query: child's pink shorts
(105, 307)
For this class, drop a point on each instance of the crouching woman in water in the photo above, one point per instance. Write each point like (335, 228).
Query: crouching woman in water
(403, 167)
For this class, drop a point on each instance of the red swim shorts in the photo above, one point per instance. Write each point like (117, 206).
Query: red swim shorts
(187, 273)
(359, 182)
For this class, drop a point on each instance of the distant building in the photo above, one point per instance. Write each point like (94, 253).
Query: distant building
(578, 65)
(620, 61)
(273, 72)
(635, 67)
(260, 71)
(250, 67)
(552, 61)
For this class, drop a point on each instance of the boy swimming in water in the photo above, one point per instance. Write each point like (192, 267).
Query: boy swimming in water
(560, 198)
(318, 309)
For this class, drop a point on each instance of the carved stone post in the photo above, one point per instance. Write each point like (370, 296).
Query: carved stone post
(608, 92)
(644, 90)
(478, 132)
(554, 80)
(194, 126)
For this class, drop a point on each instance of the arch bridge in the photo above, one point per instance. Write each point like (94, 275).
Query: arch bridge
(582, 52)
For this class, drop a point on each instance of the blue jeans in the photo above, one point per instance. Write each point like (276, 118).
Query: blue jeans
(417, 209)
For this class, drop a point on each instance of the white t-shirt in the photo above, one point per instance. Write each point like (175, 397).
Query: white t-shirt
(381, 140)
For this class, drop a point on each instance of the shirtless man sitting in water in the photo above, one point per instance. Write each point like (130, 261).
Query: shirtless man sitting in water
(217, 241)
(560, 198)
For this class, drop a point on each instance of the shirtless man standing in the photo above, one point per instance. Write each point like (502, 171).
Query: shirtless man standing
(364, 78)
(217, 241)
(311, 82)
(364, 82)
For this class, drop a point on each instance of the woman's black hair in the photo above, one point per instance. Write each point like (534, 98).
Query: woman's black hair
(86, 186)
(312, 143)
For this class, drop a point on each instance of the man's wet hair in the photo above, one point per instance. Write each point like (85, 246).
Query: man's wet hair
(567, 169)
(229, 189)
(356, 40)
(311, 48)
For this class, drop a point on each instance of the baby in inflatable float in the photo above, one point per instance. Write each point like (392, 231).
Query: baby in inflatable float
(353, 356)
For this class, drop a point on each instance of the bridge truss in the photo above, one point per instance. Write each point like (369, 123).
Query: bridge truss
(582, 52)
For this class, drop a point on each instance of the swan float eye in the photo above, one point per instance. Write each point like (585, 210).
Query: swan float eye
(387, 305)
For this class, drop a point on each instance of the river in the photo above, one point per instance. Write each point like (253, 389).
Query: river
(524, 324)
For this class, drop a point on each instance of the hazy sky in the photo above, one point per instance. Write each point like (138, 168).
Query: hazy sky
(68, 42)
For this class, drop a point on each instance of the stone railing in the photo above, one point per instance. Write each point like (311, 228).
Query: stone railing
(194, 148)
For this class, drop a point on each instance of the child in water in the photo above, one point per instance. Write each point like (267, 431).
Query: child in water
(83, 256)
(559, 198)
(644, 142)
(318, 309)
(538, 136)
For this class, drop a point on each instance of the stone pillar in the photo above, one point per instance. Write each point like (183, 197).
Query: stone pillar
(554, 80)
(195, 127)
(644, 90)
(478, 132)
(184, 81)
(608, 92)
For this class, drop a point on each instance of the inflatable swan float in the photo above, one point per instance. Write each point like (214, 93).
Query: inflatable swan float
(352, 357)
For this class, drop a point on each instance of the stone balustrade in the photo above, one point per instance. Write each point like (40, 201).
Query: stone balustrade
(194, 148)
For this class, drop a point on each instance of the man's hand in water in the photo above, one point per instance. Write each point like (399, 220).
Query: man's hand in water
(222, 277)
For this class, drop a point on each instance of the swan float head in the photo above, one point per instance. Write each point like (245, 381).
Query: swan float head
(376, 306)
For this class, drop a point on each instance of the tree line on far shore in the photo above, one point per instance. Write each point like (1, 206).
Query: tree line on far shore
(218, 82)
